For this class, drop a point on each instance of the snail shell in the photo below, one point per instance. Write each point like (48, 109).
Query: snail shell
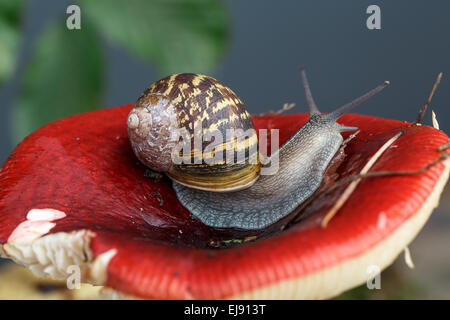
(175, 112)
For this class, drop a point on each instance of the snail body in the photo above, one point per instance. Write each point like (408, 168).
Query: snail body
(272, 196)
(264, 199)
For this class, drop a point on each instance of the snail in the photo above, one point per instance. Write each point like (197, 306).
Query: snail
(232, 195)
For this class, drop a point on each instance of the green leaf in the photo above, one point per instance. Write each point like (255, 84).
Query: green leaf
(63, 77)
(10, 24)
(175, 35)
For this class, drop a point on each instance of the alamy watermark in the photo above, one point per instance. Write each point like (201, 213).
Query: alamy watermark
(374, 280)
(73, 281)
(73, 21)
(373, 22)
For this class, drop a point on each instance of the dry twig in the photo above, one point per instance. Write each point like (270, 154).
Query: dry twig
(427, 102)
(350, 188)
(286, 107)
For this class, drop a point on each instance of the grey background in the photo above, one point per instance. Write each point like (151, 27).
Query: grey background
(343, 59)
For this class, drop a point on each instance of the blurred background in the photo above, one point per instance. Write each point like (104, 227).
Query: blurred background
(48, 72)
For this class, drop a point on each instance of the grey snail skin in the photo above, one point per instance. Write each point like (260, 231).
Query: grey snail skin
(229, 195)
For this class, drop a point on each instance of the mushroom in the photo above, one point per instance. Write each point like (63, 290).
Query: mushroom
(72, 194)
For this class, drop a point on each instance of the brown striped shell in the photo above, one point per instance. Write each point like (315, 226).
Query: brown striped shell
(197, 131)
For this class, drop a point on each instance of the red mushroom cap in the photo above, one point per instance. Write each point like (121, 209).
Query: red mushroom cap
(73, 193)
